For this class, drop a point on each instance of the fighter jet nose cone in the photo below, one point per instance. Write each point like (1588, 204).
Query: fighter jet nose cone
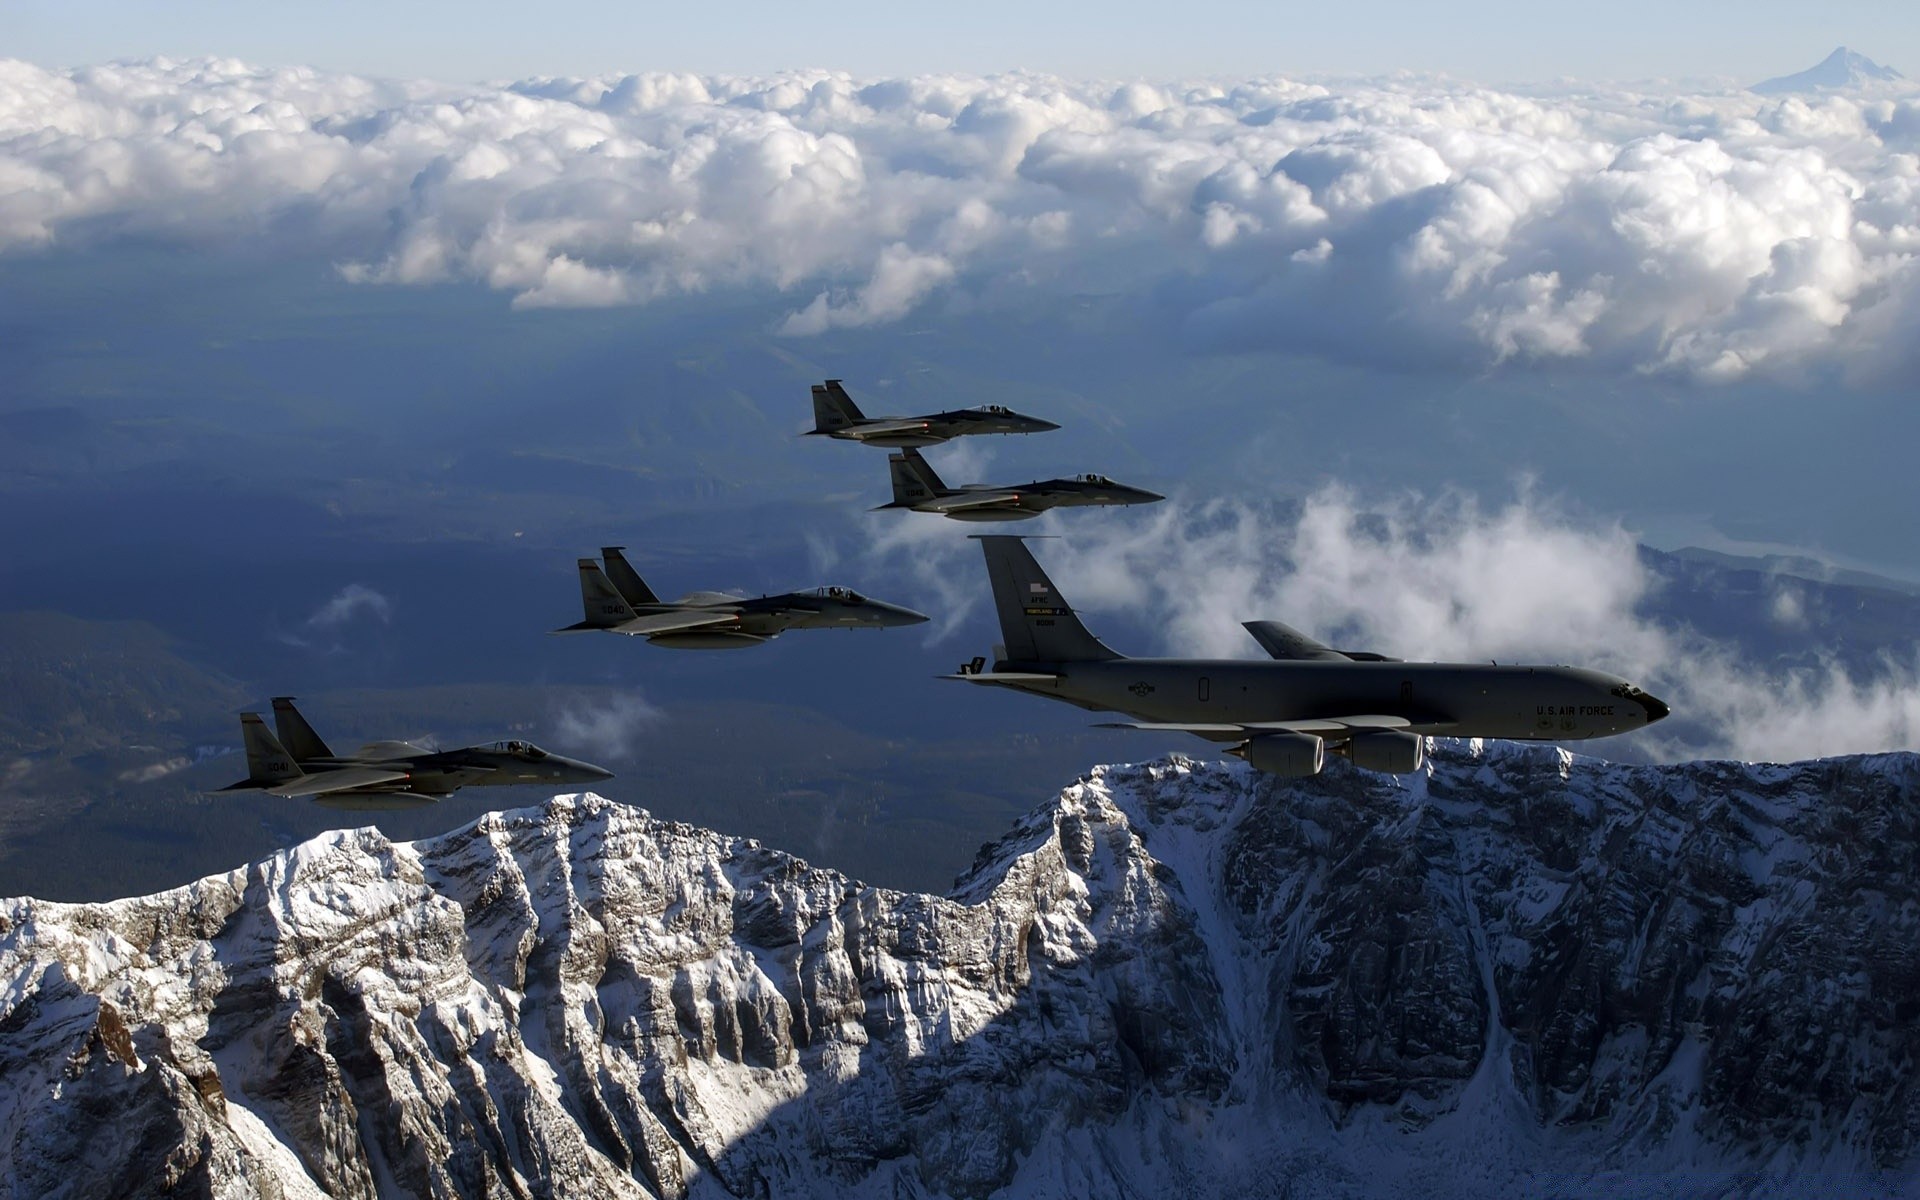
(906, 616)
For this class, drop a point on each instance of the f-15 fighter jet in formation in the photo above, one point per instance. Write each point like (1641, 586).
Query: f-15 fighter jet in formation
(387, 774)
(1284, 716)
(617, 600)
(915, 486)
(835, 415)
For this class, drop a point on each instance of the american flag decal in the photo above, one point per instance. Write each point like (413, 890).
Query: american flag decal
(1037, 589)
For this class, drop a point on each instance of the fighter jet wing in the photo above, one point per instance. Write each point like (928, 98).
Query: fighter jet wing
(968, 500)
(346, 779)
(671, 622)
(883, 428)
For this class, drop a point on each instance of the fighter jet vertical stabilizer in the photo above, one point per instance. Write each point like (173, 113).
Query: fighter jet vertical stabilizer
(632, 588)
(295, 734)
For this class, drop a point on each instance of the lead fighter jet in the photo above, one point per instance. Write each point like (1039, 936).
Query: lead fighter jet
(915, 486)
(835, 415)
(387, 774)
(1283, 716)
(617, 600)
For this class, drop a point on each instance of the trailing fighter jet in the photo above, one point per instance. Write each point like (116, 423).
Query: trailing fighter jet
(387, 774)
(618, 601)
(835, 415)
(915, 486)
(1284, 716)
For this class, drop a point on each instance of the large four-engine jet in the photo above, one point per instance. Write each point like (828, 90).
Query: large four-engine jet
(1283, 716)
(387, 774)
(835, 415)
(617, 600)
(916, 487)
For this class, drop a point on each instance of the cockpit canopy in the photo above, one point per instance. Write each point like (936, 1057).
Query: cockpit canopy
(1626, 691)
(845, 595)
(999, 410)
(519, 749)
(1102, 480)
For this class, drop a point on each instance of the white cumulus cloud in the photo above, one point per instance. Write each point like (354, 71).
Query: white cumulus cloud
(1712, 236)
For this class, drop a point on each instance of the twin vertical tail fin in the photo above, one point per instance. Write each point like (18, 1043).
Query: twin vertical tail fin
(1035, 620)
(626, 580)
(268, 762)
(296, 735)
(833, 409)
(605, 606)
(913, 480)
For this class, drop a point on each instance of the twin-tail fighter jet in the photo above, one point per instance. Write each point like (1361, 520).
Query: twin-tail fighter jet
(618, 601)
(387, 774)
(1285, 715)
(916, 487)
(835, 415)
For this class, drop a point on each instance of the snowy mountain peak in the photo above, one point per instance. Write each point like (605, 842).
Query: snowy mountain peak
(1514, 965)
(1839, 71)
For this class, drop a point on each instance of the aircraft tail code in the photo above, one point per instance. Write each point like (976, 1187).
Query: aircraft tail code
(833, 409)
(296, 735)
(913, 480)
(1035, 619)
(626, 580)
(268, 762)
(604, 604)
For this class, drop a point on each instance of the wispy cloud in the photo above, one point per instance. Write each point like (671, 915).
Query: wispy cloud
(607, 728)
(349, 603)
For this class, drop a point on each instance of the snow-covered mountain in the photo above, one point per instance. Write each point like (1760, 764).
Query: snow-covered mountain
(1517, 971)
(1843, 69)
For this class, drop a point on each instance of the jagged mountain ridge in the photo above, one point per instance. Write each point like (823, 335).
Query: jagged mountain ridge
(1518, 968)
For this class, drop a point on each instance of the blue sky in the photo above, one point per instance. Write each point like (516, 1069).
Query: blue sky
(1487, 40)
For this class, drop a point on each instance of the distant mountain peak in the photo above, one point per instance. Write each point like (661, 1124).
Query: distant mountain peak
(1841, 70)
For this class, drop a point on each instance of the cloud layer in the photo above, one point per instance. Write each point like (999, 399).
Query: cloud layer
(1415, 220)
(1441, 578)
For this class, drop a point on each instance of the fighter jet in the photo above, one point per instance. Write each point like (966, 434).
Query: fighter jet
(387, 774)
(1285, 715)
(835, 415)
(915, 486)
(618, 601)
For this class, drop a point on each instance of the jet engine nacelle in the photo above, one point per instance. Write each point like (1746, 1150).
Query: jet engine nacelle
(1291, 755)
(1390, 751)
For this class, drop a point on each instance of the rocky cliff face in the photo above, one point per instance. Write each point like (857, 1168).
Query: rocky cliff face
(1515, 970)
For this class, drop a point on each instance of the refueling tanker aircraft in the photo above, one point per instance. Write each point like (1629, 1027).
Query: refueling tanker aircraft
(617, 600)
(916, 487)
(1285, 715)
(835, 415)
(387, 774)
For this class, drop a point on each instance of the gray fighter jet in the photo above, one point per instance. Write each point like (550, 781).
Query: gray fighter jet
(1284, 716)
(617, 600)
(387, 774)
(835, 415)
(916, 487)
